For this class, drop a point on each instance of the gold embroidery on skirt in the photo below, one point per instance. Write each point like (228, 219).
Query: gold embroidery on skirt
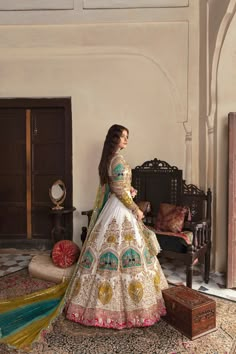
(105, 293)
(76, 288)
(112, 233)
(135, 291)
(111, 239)
(93, 236)
(129, 237)
(128, 234)
(157, 281)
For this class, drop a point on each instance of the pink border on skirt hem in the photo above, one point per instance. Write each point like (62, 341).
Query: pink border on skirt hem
(104, 321)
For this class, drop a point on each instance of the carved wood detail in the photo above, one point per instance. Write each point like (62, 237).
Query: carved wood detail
(156, 164)
(192, 189)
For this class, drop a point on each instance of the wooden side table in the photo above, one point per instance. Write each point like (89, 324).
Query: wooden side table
(59, 231)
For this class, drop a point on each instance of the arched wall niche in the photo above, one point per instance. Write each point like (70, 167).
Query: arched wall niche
(220, 77)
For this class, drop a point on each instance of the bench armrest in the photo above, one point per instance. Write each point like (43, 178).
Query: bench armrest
(201, 232)
(88, 213)
(193, 225)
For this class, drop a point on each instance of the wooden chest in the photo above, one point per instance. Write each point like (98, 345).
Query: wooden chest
(189, 311)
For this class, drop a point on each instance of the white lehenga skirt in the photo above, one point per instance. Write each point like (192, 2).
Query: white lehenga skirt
(118, 283)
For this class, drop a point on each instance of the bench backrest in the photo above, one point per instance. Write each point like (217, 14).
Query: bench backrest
(198, 201)
(158, 182)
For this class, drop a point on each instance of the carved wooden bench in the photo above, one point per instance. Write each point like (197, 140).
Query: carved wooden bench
(158, 182)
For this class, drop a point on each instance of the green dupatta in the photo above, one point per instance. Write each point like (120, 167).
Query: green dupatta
(101, 199)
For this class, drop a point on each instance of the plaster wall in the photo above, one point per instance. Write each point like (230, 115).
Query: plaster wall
(142, 74)
(217, 10)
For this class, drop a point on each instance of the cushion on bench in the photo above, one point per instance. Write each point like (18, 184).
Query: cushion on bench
(171, 217)
(176, 242)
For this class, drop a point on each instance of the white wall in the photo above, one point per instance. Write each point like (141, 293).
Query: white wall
(143, 75)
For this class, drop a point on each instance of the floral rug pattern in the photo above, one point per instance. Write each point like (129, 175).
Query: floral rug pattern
(20, 283)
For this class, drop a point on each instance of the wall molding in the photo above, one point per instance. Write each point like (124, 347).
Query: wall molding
(124, 4)
(27, 5)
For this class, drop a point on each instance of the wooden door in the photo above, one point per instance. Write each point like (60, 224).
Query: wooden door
(39, 151)
(231, 259)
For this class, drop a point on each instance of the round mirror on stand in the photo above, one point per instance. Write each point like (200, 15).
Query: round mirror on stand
(57, 194)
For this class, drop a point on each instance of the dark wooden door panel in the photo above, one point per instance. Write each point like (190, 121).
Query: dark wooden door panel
(12, 156)
(41, 222)
(13, 222)
(12, 125)
(49, 141)
(12, 189)
(48, 124)
(34, 133)
(48, 158)
(12, 173)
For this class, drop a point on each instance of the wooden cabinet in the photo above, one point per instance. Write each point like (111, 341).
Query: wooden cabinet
(35, 151)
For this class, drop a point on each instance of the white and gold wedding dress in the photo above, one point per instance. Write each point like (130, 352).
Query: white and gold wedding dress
(119, 282)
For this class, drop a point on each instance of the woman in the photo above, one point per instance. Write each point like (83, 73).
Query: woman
(118, 282)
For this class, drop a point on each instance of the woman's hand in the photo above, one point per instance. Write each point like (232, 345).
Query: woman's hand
(140, 215)
(133, 192)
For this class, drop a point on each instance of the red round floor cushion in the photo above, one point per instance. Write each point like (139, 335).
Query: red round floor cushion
(65, 253)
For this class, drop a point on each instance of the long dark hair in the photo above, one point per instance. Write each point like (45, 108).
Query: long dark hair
(109, 149)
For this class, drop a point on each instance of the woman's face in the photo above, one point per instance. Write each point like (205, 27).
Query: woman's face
(123, 140)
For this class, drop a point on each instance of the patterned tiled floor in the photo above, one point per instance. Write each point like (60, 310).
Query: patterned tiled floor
(10, 263)
(174, 271)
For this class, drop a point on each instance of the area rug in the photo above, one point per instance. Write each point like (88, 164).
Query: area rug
(67, 337)
(20, 283)
(10, 263)
(175, 272)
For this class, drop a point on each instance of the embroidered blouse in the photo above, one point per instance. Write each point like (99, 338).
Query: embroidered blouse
(120, 181)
